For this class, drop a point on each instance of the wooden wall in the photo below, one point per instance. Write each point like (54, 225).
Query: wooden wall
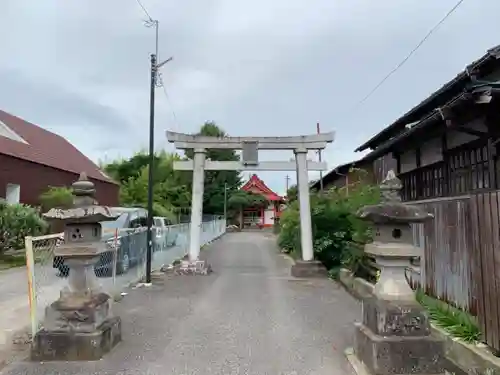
(461, 257)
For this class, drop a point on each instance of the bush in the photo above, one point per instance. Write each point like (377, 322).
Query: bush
(335, 227)
(16, 222)
(289, 236)
(56, 197)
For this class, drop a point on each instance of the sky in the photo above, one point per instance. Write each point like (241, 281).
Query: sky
(256, 68)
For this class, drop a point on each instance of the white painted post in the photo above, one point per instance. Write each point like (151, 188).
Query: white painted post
(304, 204)
(197, 204)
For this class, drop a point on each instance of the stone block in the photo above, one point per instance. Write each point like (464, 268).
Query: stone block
(64, 345)
(393, 355)
(309, 269)
(83, 314)
(389, 318)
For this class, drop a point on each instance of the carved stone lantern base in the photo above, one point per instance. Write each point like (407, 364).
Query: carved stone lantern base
(76, 346)
(309, 269)
(395, 338)
(79, 326)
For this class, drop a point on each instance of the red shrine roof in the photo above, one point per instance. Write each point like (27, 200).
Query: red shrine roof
(257, 186)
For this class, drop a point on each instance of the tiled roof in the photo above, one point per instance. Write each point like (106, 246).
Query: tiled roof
(24, 140)
(256, 182)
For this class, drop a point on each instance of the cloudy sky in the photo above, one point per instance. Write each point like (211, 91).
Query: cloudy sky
(80, 68)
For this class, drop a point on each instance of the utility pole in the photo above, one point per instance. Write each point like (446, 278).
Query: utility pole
(225, 201)
(287, 180)
(319, 157)
(154, 72)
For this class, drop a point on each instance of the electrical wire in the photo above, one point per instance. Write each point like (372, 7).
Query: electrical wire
(412, 52)
(174, 115)
(150, 22)
(150, 19)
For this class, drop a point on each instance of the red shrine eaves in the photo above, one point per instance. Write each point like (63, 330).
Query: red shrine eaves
(265, 215)
(256, 185)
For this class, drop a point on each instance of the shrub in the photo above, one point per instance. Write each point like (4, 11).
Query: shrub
(16, 222)
(289, 236)
(56, 197)
(336, 228)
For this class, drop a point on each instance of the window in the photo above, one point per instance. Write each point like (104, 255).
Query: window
(13, 193)
(138, 222)
(465, 169)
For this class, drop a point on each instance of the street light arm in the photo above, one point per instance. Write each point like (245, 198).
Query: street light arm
(158, 66)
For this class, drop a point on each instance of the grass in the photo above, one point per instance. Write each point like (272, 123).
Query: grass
(456, 322)
(11, 261)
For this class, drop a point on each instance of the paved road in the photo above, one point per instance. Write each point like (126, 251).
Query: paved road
(248, 317)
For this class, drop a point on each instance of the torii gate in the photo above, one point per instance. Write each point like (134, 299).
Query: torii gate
(250, 146)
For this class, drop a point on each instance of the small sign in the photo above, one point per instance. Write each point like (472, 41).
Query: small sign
(250, 153)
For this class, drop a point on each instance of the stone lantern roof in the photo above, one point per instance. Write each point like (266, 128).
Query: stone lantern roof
(85, 208)
(391, 209)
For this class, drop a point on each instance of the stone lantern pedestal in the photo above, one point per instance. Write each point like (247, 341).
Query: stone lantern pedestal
(80, 324)
(394, 336)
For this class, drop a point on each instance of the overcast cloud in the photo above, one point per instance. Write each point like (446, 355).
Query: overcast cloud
(81, 68)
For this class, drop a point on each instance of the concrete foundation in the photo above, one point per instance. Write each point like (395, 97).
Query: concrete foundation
(76, 346)
(309, 269)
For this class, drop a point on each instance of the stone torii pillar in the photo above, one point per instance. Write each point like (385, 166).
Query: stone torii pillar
(250, 146)
(197, 203)
(306, 241)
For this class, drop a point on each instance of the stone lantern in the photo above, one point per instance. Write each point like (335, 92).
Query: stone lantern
(394, 336)
(79, 325)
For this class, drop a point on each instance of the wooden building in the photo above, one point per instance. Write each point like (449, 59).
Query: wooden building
(367, 170)
(32, 159)
(264, 215)
(446, 151)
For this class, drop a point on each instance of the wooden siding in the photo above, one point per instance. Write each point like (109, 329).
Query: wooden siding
(382, 166)
(460, 260)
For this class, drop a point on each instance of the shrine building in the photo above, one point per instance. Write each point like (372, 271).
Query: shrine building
(264, 215)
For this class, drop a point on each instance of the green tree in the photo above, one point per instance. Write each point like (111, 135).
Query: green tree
(122, 170)
(170, 192)
(292, 193)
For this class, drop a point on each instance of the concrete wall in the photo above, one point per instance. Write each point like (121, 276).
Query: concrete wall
(34, 179)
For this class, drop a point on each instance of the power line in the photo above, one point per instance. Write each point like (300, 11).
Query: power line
(412, 52)
(150, 19)
(150, 22)
(160, 79)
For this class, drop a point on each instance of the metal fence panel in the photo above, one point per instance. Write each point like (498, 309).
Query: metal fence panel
(121, 264)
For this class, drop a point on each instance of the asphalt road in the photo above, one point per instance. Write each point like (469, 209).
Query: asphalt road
(248, 317)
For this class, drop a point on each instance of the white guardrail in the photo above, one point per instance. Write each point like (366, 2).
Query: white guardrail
(115, 270)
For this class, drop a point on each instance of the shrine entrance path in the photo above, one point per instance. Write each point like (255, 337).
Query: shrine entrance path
(248, 317)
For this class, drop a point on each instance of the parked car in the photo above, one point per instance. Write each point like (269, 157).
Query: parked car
(121, 236)
(165, 233)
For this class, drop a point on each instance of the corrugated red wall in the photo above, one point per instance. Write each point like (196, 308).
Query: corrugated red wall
(34, 179)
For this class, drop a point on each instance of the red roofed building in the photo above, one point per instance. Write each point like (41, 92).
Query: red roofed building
(261, 216)
(32, 159)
